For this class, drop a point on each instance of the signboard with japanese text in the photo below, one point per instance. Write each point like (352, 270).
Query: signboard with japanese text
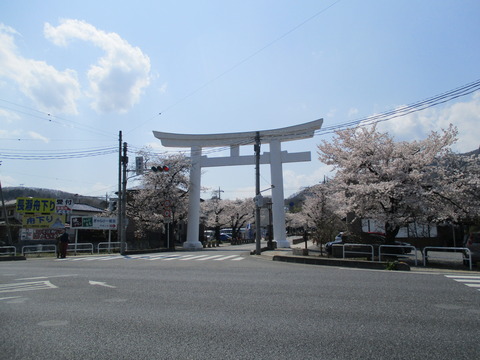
(64, 206)
(40, 234)
(51, 221)
(93, 223)
(36, 205)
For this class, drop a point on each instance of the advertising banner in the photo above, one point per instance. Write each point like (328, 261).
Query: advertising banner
(36, 205)
(64, 206)
(52, 221)
(40, 234)
(93, 223)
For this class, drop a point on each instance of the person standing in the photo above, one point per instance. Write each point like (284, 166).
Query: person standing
(63, 244)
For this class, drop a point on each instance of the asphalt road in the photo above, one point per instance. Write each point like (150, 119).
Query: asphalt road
(187, 305)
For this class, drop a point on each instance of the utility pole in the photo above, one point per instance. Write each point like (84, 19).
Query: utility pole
(124, 200)
(5, 214)
(119, 202)
(258, 228)
(218, 192)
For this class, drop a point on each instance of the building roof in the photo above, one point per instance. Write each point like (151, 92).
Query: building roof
(86, 208)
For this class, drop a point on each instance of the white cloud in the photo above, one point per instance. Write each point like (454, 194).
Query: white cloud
(294, 181)
(52, 90)
(118, 78)
(10, 133)
(37, 136)
(8, 180)
(352, 112)
(8, 116)
(464, 115)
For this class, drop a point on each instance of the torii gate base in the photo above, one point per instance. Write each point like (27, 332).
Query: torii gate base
(276, 157)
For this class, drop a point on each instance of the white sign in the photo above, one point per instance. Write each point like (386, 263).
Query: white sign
(64, 206)
(93, 223)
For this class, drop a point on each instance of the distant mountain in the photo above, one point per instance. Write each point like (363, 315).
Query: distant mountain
(474, 152)
(11, 193)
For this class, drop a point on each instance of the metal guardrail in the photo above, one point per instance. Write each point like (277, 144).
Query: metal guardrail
(37, 249)
(414, 251)
(79, 247)
(109, 246)
(8, 250)
(357, 252)
(448, 249)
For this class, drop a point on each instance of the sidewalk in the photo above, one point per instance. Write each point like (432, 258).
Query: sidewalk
(314, 258)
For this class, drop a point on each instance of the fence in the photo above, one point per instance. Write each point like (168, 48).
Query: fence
(363, 253)
(401, 252)
(79, 247)
(7, 250)
(466, 254)
(37, 249)
(371, 251)
(109, 246)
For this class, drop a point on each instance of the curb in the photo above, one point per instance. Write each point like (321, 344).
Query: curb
(12, 258)
(309, 260)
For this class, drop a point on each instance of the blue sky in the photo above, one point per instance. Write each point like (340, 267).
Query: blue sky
(72, 74)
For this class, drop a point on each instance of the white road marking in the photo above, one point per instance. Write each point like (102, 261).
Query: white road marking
(225, 257)
(101, 283)
(472, 281)
(191, 257)
(163, 257)
(208, 258)
(35, 285)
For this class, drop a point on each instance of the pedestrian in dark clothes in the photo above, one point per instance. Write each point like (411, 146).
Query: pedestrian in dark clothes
(63, 244)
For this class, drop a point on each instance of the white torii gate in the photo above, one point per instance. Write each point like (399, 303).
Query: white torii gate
(276, 157)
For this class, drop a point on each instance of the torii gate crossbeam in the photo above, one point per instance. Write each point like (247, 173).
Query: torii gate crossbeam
(276, 157)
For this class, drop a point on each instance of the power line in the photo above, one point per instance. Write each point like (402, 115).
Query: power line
(53, 155)
(48, 117)
(405, 110)
(238, 64)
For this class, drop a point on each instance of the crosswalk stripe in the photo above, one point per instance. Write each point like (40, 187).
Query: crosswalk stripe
(209, 258)
(171, 257)
(163, 257)
(191, 257)
(111, 258)
(225, 257)
(158, 257)
(472, 281)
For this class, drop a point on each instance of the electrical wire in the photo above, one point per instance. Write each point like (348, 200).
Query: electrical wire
(55, 155)
(236, 65)
(405, 110)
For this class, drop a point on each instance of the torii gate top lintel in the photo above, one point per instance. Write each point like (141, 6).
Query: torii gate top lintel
(295, 132)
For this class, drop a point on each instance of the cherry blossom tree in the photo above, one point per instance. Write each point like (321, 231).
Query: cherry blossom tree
(234, 214)
(392, 182)
(321, 212)
(460, 193)
(158, 192)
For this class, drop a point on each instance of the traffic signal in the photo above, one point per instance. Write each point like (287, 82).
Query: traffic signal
(160, 168)
(139, 165)
(112, 206)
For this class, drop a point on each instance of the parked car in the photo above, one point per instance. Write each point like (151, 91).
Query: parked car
(371, 238)
(225, 237)
(473, 244)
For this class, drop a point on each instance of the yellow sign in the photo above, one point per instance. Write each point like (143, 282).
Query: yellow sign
(36, 205)
(50, 221)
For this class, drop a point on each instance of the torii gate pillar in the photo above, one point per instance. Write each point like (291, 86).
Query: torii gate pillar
(276, 157)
